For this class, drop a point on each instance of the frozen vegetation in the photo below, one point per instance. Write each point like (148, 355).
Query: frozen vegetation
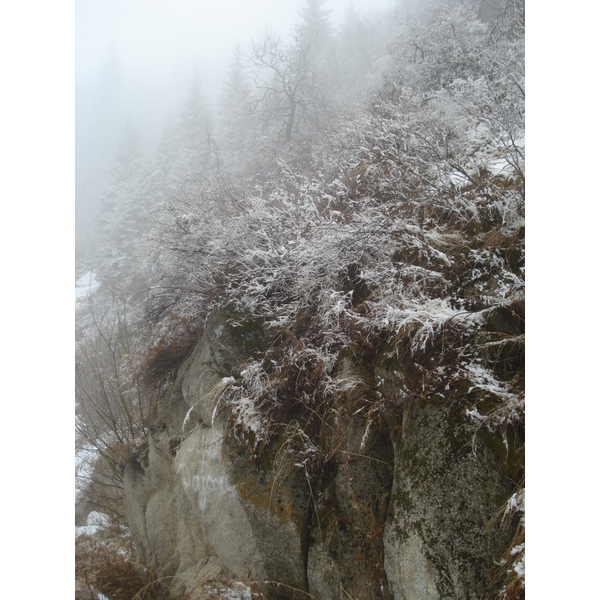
(360, 191)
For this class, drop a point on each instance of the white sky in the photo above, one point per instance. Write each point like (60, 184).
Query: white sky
(146, 29)
(157, 37)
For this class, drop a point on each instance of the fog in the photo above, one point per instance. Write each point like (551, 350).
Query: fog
(155, 39)
(135, 59)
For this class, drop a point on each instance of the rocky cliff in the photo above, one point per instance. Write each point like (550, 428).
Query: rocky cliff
(401, 501)
(304, 369)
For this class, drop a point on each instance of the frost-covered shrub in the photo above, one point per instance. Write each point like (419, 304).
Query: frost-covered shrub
(408, 227)
(398, 237)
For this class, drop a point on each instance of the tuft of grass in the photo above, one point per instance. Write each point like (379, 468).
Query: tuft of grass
(106, 562)
(508, 573)
(159, 365)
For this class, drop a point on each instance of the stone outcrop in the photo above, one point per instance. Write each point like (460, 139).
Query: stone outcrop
(197, 509)
(440, 532)
(402, 509)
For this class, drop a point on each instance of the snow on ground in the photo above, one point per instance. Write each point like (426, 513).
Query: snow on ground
(499, 166)
(86, 285)
(95, 521)
(86, 530)
(236, 591)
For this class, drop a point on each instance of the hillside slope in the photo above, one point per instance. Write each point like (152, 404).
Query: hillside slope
(329, 364)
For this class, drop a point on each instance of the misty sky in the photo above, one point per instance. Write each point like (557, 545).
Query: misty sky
(158, 43)
(156, 32)
(139, 57)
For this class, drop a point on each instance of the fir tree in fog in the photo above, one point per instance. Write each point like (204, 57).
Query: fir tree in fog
(236, 132)
(194, 130)
(123, 207)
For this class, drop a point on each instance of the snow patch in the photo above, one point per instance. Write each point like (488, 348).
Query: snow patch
(86, 285)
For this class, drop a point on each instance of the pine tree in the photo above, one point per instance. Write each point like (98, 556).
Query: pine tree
(360, 49)
(235, 116)
(315, 32)
(125, 207)
(314, 48)
(194, 131)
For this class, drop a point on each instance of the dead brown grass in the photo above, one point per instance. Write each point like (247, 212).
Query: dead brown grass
(163, 358)
(507, 583)
(106, 562)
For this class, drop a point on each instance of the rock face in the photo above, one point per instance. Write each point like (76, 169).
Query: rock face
(440, 532)
(403, 509)
(197, 509)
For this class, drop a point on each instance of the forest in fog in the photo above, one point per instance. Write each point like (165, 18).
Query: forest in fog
(138, 68)
(355, 180)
